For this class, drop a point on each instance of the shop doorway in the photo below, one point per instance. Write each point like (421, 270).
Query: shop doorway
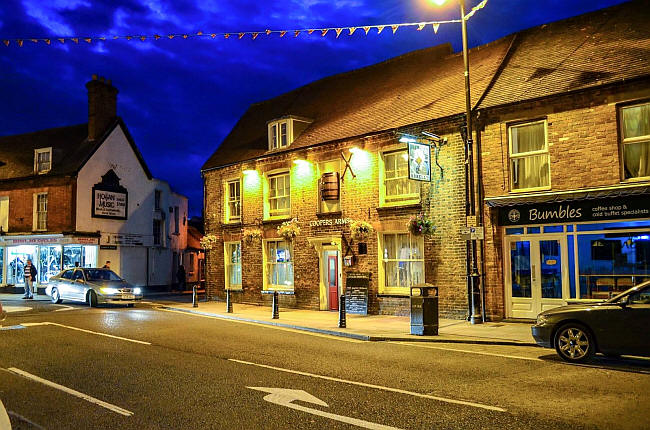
(536, 274)
(331, 276)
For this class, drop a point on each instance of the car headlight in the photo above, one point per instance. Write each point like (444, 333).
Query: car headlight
(107, 290)
(541, 319)
(137, 290)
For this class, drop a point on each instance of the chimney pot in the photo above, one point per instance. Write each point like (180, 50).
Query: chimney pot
(94, 77)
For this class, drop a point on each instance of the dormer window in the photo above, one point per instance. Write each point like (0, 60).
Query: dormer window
(283, 132)
(42, 160)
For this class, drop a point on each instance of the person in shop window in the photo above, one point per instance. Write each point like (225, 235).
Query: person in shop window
(29, 273)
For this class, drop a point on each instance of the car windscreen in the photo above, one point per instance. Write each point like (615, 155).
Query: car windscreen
(101, 275)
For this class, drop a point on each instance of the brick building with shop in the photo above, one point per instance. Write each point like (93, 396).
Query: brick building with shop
(572, 85)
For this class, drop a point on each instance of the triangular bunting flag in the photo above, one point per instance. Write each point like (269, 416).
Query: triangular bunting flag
(185, 36)
(6, 42)
(352, 30)
(117, 37)
(268, 31)
(87, 39)
(421, 26)
(171, 36)
(380, 28)
(227, 35)
(366, 29)
(282, 33)
(103, 38)
(127, 37)
(48, 41)
(394, 27)
(241, 35)
(20, 42)
(338, 32)
(143, 38)
(34, 40)
(255, 35)
(324, 32)
(436, 26)
(61, 40)
(199, 33)
(75, 39)
(213, 35)
(310, 31)
(156, 36)
(296, 33)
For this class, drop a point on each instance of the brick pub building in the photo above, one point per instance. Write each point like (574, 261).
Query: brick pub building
(561, 86)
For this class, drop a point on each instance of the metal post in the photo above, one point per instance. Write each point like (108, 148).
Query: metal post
(473, 277)
(276, 305)
(228, 302)
(342, 322)
(195, 298)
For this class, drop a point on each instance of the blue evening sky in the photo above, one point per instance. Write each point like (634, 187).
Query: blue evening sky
(180, 98)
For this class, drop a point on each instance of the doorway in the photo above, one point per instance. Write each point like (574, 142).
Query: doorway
(536, 274)
(331, 276)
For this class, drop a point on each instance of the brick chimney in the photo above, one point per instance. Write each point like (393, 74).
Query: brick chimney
(102, 106)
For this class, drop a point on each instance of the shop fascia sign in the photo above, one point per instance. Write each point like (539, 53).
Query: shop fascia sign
(128, 240)
(49, 241)
(576, 211)
(110, 199)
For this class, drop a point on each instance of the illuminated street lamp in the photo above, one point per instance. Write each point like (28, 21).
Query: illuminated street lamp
(473, 276)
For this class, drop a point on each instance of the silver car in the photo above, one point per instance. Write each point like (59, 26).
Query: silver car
(92, 286)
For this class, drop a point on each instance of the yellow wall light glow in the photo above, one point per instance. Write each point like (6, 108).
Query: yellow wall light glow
(303, 168)
(359, 160)
(251, 178)
(438, 2)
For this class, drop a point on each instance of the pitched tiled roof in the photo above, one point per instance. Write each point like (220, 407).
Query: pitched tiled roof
(602, 47)
(598, 48)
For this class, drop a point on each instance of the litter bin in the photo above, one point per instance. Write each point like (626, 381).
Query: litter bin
(424, 310)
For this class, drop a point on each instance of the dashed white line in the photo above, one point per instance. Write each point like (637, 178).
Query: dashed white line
(377, 387)
(70, 391)
(87, 331)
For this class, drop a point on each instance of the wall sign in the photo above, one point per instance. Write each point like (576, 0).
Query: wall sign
(356, 292)
(419, 162)
(110, 199)
(337, 221)
(628, 207)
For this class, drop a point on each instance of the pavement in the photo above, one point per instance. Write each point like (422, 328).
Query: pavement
(361, 327)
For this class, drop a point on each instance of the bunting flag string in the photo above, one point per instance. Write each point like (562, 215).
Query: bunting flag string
(435, 25)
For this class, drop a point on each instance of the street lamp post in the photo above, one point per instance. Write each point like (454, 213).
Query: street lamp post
(473, 276)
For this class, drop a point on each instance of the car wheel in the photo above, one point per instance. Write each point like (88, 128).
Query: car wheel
(92, 299)
(56, 296)
(574, 343)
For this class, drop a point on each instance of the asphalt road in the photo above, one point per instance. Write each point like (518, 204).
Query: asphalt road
(145, 368)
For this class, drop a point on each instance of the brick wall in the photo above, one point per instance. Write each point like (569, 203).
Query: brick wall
(60, 203)
(442, 199)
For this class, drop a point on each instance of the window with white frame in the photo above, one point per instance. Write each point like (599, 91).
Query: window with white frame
(635, 139)
(4, 215)
(397, 187)
(279, 134)
(529, 158)
(40, 211)
(232, 256)
(402, 263)
(42, 160)
(157, 232)
(279, 265)
(233, 201)
(279, 195)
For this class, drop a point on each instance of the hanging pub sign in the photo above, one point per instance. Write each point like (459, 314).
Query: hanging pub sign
(110, 199)
(628, 207)
(419, 162)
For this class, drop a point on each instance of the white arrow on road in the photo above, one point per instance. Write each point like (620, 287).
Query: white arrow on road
(285, 397)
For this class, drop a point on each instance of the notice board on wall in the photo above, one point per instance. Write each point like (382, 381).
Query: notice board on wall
(356, 292)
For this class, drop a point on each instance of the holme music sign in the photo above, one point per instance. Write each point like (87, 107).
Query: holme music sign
(110, 199)
(576, 211)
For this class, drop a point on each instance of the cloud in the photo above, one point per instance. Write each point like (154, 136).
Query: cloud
(48, 14)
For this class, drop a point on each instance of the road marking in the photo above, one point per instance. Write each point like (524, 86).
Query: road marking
(11, 309)
(65, 308)
(87, 331)
(5, 424)
(292, 330)
(493, 354)
(378, 387)
(284, 397)
(70, 391)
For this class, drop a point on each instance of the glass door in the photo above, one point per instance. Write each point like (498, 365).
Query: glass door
(536, 275)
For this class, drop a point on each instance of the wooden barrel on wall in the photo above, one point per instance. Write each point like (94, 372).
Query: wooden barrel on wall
(329, 186)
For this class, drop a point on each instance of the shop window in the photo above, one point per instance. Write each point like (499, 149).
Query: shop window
(79, 255)
(40, 211)
(329, 187)
(402, 265)
(232, 264)
(17, 257)
(278, 199)
(4, 214)
(515, 230)
(635, 140)
(533, 230)
(156, 232)
(529, 158)
(42, 160)
(396, 187)
(233, 201)
(279, 265)
(50, 262)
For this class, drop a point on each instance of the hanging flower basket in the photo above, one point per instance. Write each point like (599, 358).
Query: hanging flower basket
(420, 225)
(289, 229)
(208, 242)
(252, 235)
(360, 230)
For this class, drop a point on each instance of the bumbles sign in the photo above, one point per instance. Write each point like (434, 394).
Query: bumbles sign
(110, 199)
(576, 211)
(419, 162)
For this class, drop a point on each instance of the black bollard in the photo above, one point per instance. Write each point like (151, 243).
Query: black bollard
(276, 305)
(228, 302)
(342, 322)
(195, 298)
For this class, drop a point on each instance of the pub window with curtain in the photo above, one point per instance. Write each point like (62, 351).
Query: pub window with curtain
(529, 158)
(635, 130)
(397, 187)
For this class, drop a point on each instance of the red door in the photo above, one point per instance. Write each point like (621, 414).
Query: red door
(333, 282)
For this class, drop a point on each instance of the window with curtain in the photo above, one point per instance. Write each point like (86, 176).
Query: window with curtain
(529, 158)
(279, 198)
(233, 201)
(398, 188)
(635, 129)
(233, 265)
(279, 265)
(41, 211)
(403, 261)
